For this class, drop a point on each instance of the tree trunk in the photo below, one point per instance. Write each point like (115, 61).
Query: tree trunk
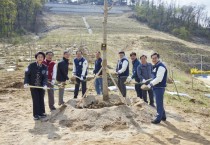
(104, 64)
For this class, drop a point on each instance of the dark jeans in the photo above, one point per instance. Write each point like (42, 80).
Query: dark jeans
(159, 96)
(151, 96)
(121, 85)
(51, 99)
(99, 86)
(77, 85)
(138, 90)
(38, 101)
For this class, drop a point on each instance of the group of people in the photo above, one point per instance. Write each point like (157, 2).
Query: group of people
(149, 79)
(43, 74)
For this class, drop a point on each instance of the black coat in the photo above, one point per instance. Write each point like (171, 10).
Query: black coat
(62, 70)
(36, 75)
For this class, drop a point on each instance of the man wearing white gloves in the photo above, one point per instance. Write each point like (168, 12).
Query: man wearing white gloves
(80, 67)
(122, 71)
(144, 72)
(51, 78)
(36, 76)
(158, 85)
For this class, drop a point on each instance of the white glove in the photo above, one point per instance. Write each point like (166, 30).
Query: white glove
(73, 74)
(143, 81)
(81, 78)
(45, 88)
(149, 86)
(26, 86)
(53, 82)
(129, 79)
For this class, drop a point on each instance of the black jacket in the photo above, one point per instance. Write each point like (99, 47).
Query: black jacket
(62, 70)
(36, 75)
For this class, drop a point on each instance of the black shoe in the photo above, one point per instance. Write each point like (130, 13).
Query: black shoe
(155, 121)
(152, 105)
(61, 103)
(75, 97)
(163, 119)
(36, 117)
(43, 116)
(52, 109)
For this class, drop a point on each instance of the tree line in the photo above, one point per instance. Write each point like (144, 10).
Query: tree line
(183, 22)
(18, 16)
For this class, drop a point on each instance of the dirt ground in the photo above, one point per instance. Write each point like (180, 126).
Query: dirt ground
(183, 126)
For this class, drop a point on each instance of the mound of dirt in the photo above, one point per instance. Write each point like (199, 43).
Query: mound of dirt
(112, 117)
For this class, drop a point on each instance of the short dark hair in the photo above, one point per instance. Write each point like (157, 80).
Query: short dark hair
(66, 51)
(40, 53)
(133, 53)
(143, 56)
(122, 52)
(78, 51)
(49, 52)
(158, 55)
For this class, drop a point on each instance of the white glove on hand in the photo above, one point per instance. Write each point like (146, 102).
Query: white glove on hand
(129, 79)
(81, 78)
(53, 82)
(143, 81)
(45, 88)
(73, 74)
(26, 86)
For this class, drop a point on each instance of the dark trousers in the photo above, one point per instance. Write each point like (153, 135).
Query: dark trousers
(138, 90)
(159, 95)
(51, 99)
(38, 101)
(151, 96)
(77, 85)
(122, 86)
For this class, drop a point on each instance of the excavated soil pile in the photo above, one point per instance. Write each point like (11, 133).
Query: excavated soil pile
(112, 118)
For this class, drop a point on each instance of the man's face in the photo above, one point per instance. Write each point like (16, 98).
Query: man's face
(79, 55)
(143, 60)
(98, 55)
(66, 55)
(40, 58)
(155, 59)
(133, 57)
(121, 55)
(49, 56)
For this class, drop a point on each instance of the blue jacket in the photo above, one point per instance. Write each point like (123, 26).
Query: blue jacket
(144, 71)
(135, 63)
(154, 73)
(79, 67)
(98, 66)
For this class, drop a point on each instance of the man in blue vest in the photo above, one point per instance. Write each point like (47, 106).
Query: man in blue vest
(123, 72)
(135, 63)
(158, 84)
(80, 66)
(98, 81)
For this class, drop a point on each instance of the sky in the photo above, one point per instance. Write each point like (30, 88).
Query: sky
(199, 2)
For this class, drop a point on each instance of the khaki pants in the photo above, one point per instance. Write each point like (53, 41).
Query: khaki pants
(51, 99)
